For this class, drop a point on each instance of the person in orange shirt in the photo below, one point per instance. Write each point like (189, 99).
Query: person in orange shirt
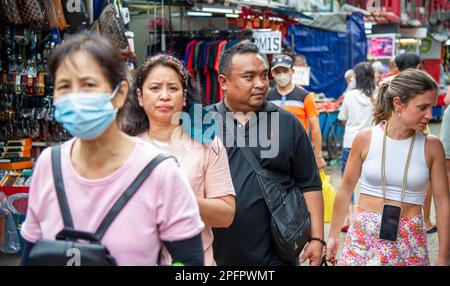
(298, 101)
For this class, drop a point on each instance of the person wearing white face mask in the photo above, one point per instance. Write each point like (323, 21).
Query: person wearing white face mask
(103, 169)
(298, 101)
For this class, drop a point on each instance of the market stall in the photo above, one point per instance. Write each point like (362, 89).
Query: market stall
(30, 30)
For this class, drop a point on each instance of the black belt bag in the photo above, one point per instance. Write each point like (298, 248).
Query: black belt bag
(66, 250)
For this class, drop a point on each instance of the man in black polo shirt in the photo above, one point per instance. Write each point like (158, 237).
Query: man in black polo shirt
(282, 148)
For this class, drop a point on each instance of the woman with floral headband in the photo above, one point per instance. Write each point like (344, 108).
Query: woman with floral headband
(394, 161)
(165, 111)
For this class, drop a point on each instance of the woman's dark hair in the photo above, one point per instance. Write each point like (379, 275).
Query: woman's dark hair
(406, 85)
(107, 58)
(365, 79)
(133, 119)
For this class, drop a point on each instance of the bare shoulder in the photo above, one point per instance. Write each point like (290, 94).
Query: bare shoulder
(433, 145)
(361, 144)
(434, 150)
(363, 137)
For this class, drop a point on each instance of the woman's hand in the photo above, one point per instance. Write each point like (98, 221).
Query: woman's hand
(332, 249)
(442, 261)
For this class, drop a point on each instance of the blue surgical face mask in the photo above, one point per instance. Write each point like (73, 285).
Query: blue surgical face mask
(85, 115)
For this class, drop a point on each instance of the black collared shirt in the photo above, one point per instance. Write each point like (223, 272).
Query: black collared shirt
(247, 241)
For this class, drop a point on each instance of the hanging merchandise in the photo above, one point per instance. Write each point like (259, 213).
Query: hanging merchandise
(250, 18)
(31, 12)
(50, 13)
(17, 205)
(8, 234)
(62, 23)
(112, 27)
(9, 11)
(25, 88)
(202, 51)
(54, 18)
(163, 35)
(98, 7)
(76, 15)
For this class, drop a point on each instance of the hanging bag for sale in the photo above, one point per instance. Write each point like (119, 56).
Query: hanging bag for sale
(31, 12)
(112, 27)
(76, 15)
(62, 23)
(9, 239)
(9, 11)
(50, 14)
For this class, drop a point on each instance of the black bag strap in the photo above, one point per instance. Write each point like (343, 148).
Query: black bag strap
(248, 154)
(118, 206)
(251, 158)
(59, 186)
(123, 200)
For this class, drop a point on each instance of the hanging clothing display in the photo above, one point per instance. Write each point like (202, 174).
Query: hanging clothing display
(200, 52)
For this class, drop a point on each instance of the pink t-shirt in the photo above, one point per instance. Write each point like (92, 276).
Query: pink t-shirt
(164, 208)
(207, 169)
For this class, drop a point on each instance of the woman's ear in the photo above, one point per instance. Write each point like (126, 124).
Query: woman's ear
(139, 96)
(398, 104)
(121, 95)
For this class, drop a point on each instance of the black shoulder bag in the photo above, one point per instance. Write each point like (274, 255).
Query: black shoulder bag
(291, 222)
(66, 250)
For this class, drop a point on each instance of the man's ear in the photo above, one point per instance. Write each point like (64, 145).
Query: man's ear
(121, 96)
(223, 81)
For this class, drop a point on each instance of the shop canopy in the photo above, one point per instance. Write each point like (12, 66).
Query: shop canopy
(330, 54)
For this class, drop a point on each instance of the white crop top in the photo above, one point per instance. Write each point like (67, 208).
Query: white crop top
(396, 155)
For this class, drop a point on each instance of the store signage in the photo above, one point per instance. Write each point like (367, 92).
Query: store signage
(416, 33)
(268, 42)
(381, 46)
(301, 76)
(430, 49)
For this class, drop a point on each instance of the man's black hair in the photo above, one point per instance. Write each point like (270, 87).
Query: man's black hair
(407, 61)
(227, 56)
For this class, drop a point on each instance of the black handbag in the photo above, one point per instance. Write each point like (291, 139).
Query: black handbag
(66, 250)
(290, 223)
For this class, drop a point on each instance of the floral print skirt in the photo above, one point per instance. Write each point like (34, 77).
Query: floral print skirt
(364, 248)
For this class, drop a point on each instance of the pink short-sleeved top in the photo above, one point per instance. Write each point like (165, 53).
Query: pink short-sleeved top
(164, 208)
(206, 166)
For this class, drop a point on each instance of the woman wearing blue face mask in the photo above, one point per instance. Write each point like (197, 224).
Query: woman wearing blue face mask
(101, 162)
